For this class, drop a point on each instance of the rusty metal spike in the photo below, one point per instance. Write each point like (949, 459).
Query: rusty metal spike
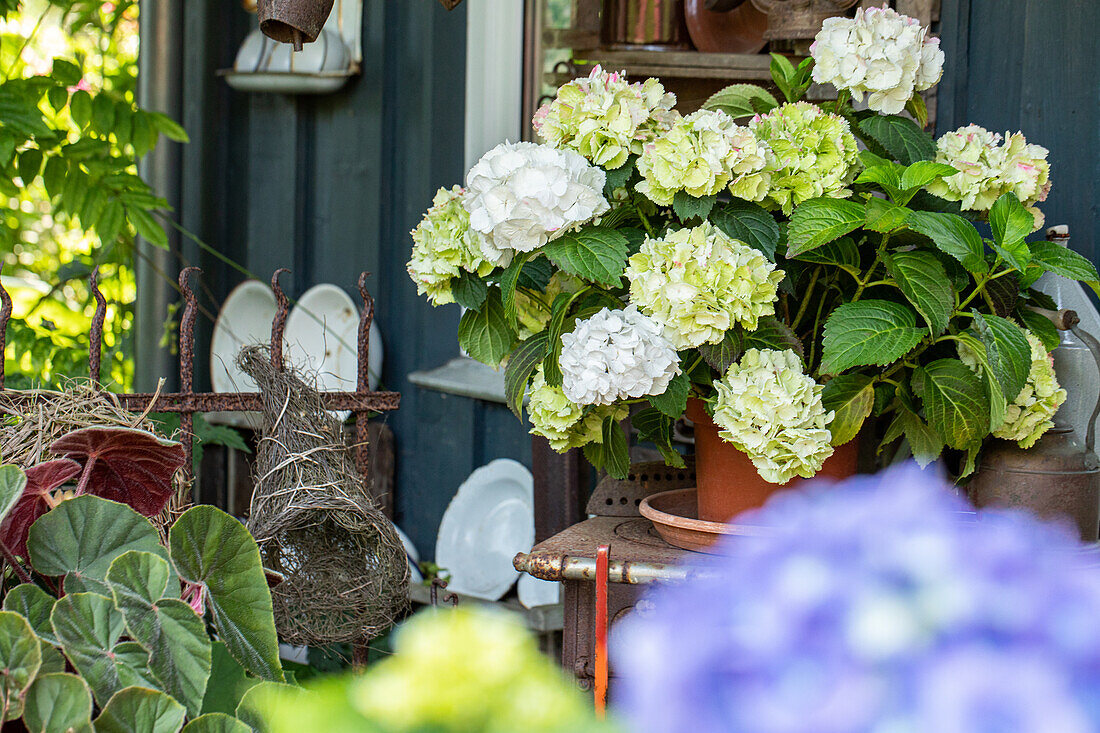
(278, 324)
(365, 320)
(187, 367)
(5, 315)
(95, 335)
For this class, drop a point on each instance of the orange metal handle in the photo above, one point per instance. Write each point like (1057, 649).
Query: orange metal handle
(603, 558)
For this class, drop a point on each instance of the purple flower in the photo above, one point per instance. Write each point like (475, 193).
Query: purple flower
(882, 604)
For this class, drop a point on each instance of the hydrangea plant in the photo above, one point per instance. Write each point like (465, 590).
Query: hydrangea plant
(801, 268)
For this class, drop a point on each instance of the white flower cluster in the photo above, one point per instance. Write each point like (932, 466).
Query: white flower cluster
(520, 195)
(988, 169)
(563, 422)
(605, 118)
(880, 52)
(700, 154)
(770, 410)
(699, 283)
(444, 246)
(616, 355)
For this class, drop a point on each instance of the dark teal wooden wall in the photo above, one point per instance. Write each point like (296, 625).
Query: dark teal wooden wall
(1031, 65)
(330, 186)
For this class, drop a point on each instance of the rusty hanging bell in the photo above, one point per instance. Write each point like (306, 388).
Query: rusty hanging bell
(1058, 477)
(293, 21)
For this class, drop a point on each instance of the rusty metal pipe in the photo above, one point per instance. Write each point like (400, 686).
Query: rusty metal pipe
(618, 571)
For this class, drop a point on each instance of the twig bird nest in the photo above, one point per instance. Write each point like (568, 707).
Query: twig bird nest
(346, 570)
(29, 428)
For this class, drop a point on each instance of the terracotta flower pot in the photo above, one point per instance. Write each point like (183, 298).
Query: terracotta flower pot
(728, 483)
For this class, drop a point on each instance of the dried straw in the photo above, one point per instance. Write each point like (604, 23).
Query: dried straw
(346, 570)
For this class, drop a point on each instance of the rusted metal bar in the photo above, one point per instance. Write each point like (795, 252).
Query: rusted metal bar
(187, 368)
(384, 501)
(5, 315)
(603, 559)
(278, 324)
(95, 335)
(178, 402)
(563, 567)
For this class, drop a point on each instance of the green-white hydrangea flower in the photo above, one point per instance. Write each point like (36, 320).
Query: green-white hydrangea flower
(699, 283)
(989, 168)
(811, 153)
(563, 422)
(769, 409)
(605, 118)
(1031, 414)
(444, 246)
(700, 154)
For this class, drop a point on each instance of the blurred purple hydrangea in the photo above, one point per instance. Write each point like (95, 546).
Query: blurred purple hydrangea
(880, 605)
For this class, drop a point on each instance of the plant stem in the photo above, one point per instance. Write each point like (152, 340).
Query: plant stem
(874, 265)
(10, 557)
(806, 298)
(813, 335)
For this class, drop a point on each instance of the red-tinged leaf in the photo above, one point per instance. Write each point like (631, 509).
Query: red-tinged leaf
(130, 466)
(35, 501)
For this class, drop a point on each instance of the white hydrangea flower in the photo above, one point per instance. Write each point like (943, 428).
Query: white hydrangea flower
(444, 246)
(605, 118)
(880, 52)
(700, 154)
(988, 169)
(521, 195)
(1031, 414)
(699, 283)
(769, 409)
(564, 423)
(616, 355)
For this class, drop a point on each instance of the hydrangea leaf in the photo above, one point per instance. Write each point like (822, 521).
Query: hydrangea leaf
(136, 709)
(923, 172)
(841, 253)
(688, 207)
(901, 137)
(953, 235)
(1010, 221)
(868, 332)
(656, 427)
(741, 100)
(1007, 349)
(821, 220)
(998, 405)
(1063, 261)
(925, 284)
(884, 217)
(58, 702)
(850, 397)
(749, 223)
(924, 442)
(772, 333)
(886, 174)
(612, 454)
(1004, 292)
(724, 353)
(521, 365)
(955, 402)
(35, 605)
(469, 290)
(597, 254)
(1041, 327)
(486, 335)
(212, 549)
(536, 274)
(554, 329)
(20, 659)
(618, 177)
(674, 400)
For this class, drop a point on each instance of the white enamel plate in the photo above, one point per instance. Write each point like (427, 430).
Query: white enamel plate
(321, 339)
(245, 319)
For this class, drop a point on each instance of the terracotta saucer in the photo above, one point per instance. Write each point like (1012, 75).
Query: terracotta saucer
(675, 516)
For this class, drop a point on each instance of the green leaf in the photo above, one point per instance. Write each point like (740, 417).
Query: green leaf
(216, 723)
(140, 710)
(1007, 349)
(167, 628)
(58, 703)
(925, 284)
(469, 290)
(1011, 222)
(923, 172)
(83, 536)
(771, 333)
(147, 227)
(554, 329)
(132, 661)
(103, 114)
(228, 682)
(143, 134)
(885, 217)
(916, 107)
(688, 207)
(749, 223)
(111, 221)
(868, 332)
(887, 174)
(1004, 291)
(169, 127)
(52, 659)
(255, 703)
(1041, 327)
(998, 405)
(66, 72)
(953, 235)
(674, 399)
(841, 253)
(955, 402)
(618, 177)
(656, 427)
(783, 73)
(29, 165)
(35, 605)
(12, 483)
(850, 397)
(925, 443)
(80, 108)
(54, 175)
(597, 254)
(899, 136)
(821, 220)
(486, 335)
(724, 353)
(212, 549)
(536, 274)
(20, 659)
(737, 100)
(508, 282)
(1063, 261)
(611, 455)
(89, 626)
(521, 365)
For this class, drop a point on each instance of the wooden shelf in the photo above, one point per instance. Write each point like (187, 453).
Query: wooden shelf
(681, 64)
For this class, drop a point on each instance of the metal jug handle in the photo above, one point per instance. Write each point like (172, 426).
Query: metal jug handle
(1094, 346)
